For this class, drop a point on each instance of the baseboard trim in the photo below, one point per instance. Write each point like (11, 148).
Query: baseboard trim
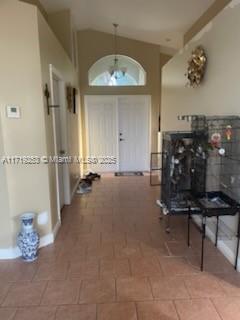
(222, 247)
(56, 229)
(75, 188)
(14, 252)
(9, 253)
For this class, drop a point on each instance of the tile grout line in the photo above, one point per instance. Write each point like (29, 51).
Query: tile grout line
(175, 307)
(116, 295)
(149, 282)
(79, 293)
(137, 311)
(215, 308)
(44, 291)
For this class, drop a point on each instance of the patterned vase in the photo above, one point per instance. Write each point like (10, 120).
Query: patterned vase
(28, 238)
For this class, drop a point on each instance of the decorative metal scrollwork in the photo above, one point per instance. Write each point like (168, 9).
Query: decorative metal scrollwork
(197, 67)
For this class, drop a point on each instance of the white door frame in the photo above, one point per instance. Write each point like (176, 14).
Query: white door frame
(54, 73)
(149, 99)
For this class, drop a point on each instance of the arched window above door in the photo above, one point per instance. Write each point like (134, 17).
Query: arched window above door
(128, 72)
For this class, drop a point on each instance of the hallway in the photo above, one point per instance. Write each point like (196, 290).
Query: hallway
(112, 260)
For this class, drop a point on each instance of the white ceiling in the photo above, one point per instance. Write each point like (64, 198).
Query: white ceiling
(154, 21)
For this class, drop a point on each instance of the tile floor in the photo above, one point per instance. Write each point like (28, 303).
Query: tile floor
(112, 260)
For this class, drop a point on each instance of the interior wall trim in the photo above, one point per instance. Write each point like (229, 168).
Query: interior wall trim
(207, 16)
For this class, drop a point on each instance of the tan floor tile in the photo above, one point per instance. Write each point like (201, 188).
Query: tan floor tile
(203, 286)
(102, 227)
(103, 211)
(145, 267)
(7, 313)
(100, 251)
(61, 292)
(87, 211)
(25, 294)
(52, 271)
(114, 238)
(169, 288)
(99, 291)
(197, 309)
(159, 310)
(181, 249)
(114, 268)
(84, 270)
(76, 252)
(36, 313)
(133, 289)
(84, 312)
(49, 253)
(117, 311)
(230, 284)
(93, 251)
(127, 251)
(4, 288)
(212, 263)
(87, 239)
(228, 307)
(176, 266)
(152, 250)
(17, 270)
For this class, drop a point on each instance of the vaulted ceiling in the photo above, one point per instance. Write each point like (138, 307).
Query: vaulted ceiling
(162, 22)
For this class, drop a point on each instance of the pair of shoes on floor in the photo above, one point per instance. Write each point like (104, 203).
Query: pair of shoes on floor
(93, 176)
(85, 186)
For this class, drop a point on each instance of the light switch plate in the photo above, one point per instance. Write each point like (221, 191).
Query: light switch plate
(13, 112)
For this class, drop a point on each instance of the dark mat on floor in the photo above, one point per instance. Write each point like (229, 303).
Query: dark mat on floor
(128, 174)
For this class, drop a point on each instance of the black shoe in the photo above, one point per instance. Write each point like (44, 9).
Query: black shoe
(93, 176)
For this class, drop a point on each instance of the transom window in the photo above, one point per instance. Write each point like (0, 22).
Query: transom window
(130, 73)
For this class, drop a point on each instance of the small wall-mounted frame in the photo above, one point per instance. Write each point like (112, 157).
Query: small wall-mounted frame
(75, 100)
(69, 96)
(71, 93)
(47, 96)
(13, 112)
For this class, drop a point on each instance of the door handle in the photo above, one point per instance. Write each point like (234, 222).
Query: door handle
(122, 139)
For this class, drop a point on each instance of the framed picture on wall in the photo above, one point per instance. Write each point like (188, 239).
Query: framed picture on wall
(71, 94)
(69, 97)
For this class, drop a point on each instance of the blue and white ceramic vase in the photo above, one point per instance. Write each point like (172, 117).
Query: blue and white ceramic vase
(28, 238)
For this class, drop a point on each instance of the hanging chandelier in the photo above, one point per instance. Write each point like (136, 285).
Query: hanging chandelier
(116, 72)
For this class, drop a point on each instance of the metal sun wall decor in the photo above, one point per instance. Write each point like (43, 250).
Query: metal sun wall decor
(197, 67)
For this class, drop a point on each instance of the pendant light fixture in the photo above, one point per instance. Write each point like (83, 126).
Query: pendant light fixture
(115, 70)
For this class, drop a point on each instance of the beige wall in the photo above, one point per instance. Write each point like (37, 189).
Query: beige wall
(61, 24)
(6, 240)
(39, 5)
(219, 94)
(20, 80)
(164, 58)
(51, 52)
(207, 16)
(94, 45)
(27, 48)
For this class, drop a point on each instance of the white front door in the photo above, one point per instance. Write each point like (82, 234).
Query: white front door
(118, 126)
(133, 133)
(59, 148)
(101, 122)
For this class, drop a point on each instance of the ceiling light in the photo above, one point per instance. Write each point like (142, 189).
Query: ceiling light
(115, 70)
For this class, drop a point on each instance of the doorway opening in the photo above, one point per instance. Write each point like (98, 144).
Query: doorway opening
(59, 118)
(118, 127)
